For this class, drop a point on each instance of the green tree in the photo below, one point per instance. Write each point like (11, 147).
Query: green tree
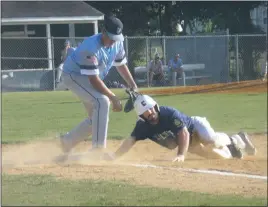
(134, 15)
(221, 15)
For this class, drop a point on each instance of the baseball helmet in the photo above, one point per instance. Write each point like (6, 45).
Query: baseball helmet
(144, 103)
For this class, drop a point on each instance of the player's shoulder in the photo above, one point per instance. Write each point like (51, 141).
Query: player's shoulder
(167, 110)
(118, 45)
(140, 123)
(92, 43)
(71, 49)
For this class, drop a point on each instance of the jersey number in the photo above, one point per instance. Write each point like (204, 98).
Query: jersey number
(143, 103)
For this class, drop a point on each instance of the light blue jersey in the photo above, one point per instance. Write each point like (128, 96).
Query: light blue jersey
(175, 65)
(92, 58)
(70, 51)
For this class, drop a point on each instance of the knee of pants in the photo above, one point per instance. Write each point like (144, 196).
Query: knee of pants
(203, 129)
(221, 139)
(102, 103)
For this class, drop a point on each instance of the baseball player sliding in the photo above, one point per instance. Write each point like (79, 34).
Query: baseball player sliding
(171, 128)
(83, 73)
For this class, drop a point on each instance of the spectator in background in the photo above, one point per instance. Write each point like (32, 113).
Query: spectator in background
(64, 54)
(79, 43)
(264, 71)
(155, 70)
(175, 69)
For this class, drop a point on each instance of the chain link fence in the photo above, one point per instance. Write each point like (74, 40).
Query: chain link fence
(26, 61)
(251, 57)
(226, 58)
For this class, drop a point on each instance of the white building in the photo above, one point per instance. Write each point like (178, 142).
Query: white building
(25, 23)
(259, 17)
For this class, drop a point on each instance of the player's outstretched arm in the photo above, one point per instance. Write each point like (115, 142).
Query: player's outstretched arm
(126, 75)
(126, 145)
(183, 138)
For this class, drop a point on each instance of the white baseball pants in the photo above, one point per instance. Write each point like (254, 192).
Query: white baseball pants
(59, 72)
(207, 134)
(97, 106)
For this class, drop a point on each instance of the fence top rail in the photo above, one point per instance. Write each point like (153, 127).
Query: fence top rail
(149, 37)
(20, 38)
(194, 36)
(25, 70)
(25, 58)
(45, 38)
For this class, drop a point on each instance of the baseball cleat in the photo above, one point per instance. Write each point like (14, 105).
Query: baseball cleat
(66, 148)
(234, 148)
(250, 149)
(236, 153)
(239, 154)
(61, 158)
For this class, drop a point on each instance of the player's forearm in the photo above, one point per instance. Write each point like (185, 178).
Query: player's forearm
(99, 85)
(125, 147)
(126, 75)
(183, 141)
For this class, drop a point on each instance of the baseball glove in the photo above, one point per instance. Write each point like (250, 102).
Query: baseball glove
(132, 98)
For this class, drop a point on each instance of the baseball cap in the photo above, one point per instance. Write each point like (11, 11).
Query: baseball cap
(67, 42)
(114, 28)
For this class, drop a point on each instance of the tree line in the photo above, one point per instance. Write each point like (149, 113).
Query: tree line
(162, 17)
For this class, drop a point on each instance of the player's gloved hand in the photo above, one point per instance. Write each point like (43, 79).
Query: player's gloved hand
(179, 158)
(133, 94)
(133, 89)
(117, 104)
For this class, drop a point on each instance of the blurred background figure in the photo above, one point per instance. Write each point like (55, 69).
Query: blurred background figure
(175, 66)
(155, 71)
(79, 43)
(264, 71)
(64, 54)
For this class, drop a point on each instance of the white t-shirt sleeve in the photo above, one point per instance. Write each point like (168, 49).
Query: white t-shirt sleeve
(120, 58)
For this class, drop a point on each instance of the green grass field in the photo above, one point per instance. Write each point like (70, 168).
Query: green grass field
(41, 115)
(46, 190)
(28, 116)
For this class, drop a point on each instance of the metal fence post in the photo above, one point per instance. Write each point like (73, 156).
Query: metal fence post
(237, 58)
(126, 39)
(53, 63)
(147, 58)
(228, 55)
(49, 52)
(195, 59)
(147, 50)
(164, 50)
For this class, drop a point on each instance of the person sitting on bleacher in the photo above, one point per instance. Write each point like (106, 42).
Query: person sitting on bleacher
(155, 70)
(175, 69)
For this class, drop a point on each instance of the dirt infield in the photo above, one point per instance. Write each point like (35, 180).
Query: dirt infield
(256, 86)
(144, 153)
(19, 159)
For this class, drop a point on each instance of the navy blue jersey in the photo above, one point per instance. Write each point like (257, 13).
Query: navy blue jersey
(171, 121)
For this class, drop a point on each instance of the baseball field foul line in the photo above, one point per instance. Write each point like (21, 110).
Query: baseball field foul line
(215, 172)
